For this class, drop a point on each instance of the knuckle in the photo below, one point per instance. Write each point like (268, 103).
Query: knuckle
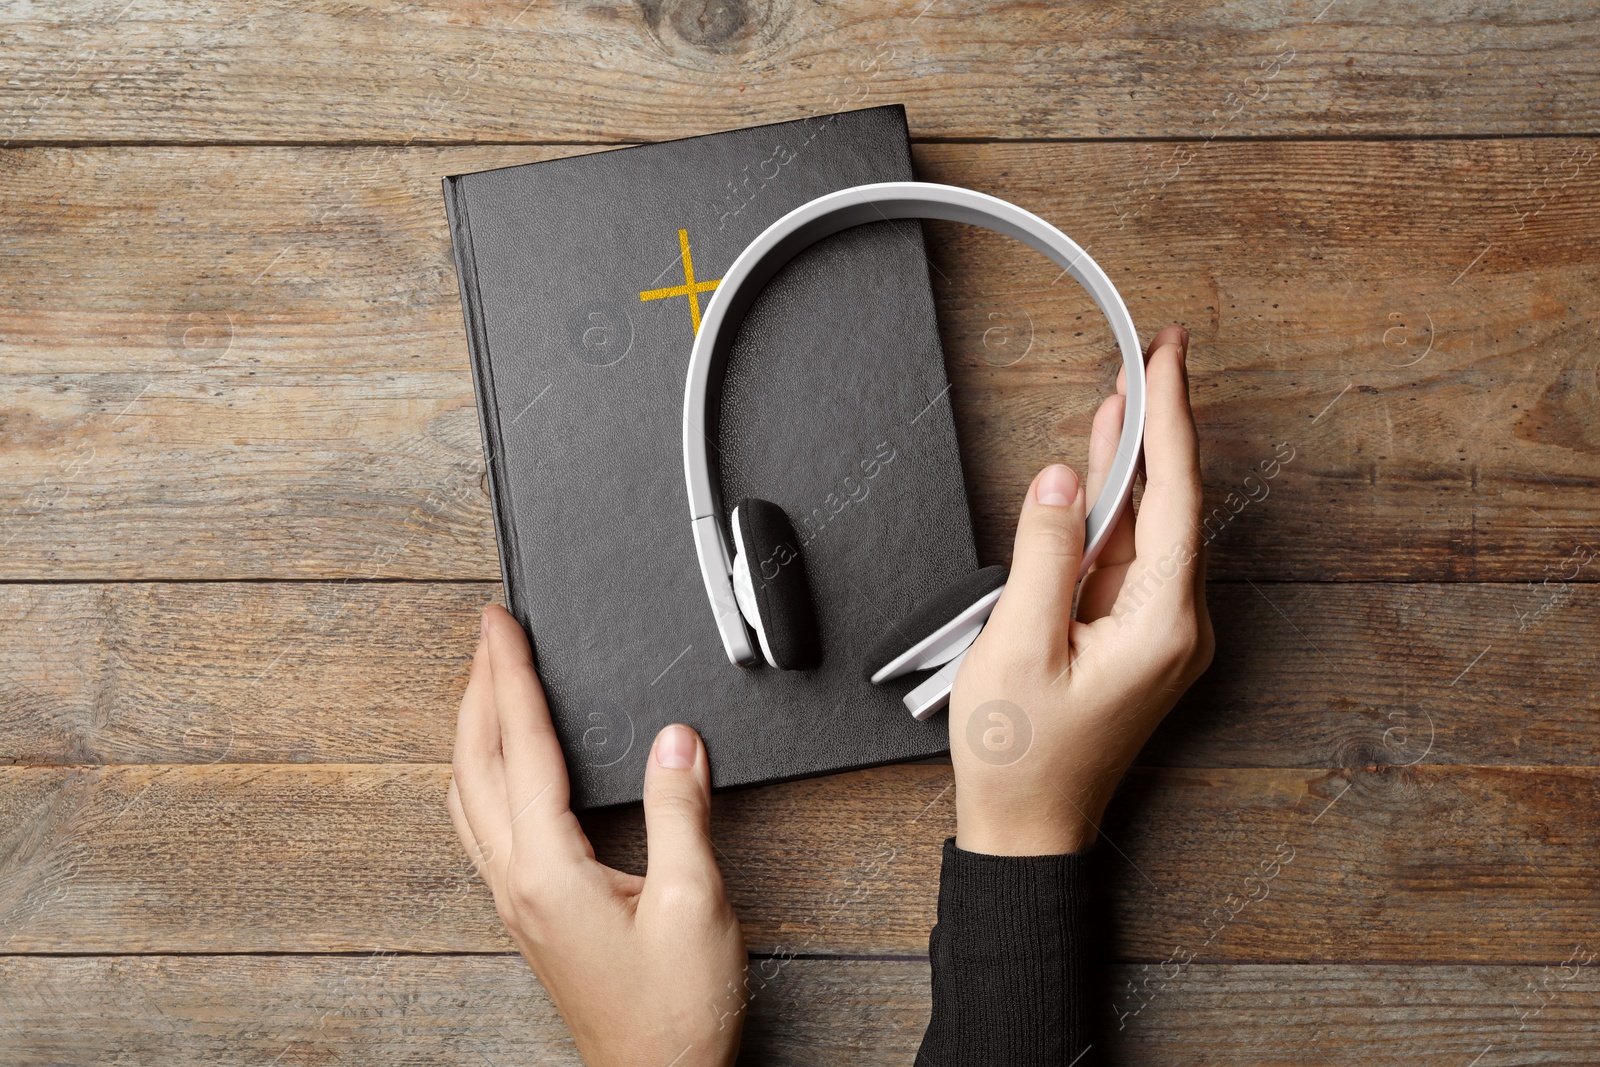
(506, 910)
(1188, 648)
(679, 800)
(527, 892)
(1181, 642)
(1182, 491)
(1056, 540)
(690, 903)
(537, 903)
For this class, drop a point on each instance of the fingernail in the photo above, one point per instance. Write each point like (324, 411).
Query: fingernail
(675, 748)
(1058, 486)
(483, 623)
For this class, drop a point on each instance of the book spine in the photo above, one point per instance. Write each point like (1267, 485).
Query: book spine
(483, 389)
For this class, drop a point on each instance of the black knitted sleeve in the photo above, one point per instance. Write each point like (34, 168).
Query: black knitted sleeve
(1011, 962)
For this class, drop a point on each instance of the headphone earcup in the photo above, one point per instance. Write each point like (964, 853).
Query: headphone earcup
(769, 582)
(931, 613)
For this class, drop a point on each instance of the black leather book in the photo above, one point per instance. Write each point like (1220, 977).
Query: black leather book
(582, 281)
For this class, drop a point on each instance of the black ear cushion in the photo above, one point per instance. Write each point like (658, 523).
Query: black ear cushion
(778, 576)
(931, 613)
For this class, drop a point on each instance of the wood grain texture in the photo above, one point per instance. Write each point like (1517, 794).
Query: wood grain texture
(1384, 865)
(231, 349)
(1306, 675)
(401, 1010)
(271, 382)
(277, 70)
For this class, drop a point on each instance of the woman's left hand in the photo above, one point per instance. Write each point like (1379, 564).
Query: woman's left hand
(645, 970)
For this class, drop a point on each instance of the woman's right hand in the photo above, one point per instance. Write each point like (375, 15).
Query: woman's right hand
(1048, 710)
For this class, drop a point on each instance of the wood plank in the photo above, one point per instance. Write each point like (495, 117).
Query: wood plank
(287, 396)
(1442, 864)
(1374, 674)
(1306, 675)
(1401, 1015)
(386, 1009)
(275, 70)
(247, 672)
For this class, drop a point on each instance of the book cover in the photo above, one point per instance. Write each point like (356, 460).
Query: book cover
(582, 282)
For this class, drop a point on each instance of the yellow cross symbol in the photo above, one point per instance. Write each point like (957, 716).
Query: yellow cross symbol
(690, 288)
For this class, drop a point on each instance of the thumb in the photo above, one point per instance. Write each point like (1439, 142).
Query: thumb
(677, 809)
(1046, 558)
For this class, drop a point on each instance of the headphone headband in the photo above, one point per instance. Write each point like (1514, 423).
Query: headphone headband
(805, 226)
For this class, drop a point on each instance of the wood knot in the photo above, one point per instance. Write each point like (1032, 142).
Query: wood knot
(721, 27)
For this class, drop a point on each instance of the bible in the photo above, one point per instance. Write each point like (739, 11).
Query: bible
(582, 284)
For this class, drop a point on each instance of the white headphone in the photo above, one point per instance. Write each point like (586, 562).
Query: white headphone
(777, 605)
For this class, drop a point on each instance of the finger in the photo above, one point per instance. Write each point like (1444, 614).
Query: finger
(1104, 437)
(1045, 560)
(477, 778)
(1166, 335)
(1169, 513)
(1103, 580)
(677, 812)
(478, 854)
(537, 789)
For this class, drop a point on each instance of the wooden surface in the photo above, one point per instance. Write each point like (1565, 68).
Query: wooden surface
(470, 1010)
(244, 530)
(294, 374)
(339, 858)
(297, 71)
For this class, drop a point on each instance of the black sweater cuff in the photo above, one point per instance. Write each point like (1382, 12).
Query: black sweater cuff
(1011, 962)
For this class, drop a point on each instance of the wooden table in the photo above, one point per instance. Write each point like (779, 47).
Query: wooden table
(246, 533)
